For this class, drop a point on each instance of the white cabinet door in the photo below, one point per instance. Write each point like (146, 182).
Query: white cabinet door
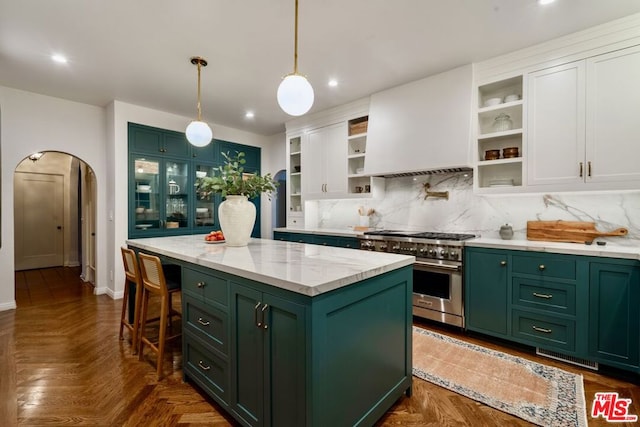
(613, 116)
(556, 127)
(324, 162)
(335, 159)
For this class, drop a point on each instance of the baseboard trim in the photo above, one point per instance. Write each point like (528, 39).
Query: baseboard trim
(11, 305)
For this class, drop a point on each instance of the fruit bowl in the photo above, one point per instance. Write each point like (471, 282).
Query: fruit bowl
(214, 237)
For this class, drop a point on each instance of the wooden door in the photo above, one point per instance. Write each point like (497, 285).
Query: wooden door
(556, 128)
(39, 214)
(613, 102)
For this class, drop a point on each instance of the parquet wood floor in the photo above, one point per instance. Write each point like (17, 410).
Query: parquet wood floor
(61, 363)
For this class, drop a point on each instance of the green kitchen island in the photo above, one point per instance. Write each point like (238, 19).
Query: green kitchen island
(293, 334)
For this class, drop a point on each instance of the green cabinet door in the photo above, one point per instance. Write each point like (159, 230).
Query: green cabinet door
(486, 298)
(614, 317)
(268, 358)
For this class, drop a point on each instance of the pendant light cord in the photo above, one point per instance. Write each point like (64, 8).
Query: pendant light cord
(199, 109)
(295, 48)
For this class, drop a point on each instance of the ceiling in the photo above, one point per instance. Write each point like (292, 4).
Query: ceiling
(138, 51)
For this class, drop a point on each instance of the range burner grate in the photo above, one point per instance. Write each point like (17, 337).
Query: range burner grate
(422, 235)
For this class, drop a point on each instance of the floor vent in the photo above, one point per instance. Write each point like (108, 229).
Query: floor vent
(584, 363)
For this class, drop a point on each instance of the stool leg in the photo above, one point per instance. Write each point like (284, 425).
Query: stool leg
(136, 321)
(164, 314)
(125, 300)
(143, 321)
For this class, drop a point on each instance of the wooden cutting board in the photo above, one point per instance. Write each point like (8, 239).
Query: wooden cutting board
(568, 231)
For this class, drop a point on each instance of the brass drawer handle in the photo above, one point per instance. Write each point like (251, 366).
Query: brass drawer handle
(503, 263)
(264, 308)
(589, 169)
(546, 331)
(545, 296)
(201, 285)
(255, 315)
(580, 169)
(204, 368)
(203, 322)
(541, 267)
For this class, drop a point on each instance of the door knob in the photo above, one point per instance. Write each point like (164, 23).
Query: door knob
(59, 227)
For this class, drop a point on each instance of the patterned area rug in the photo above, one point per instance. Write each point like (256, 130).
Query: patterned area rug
(540, 394)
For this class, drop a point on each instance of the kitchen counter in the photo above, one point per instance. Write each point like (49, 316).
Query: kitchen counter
(302, 268)
(611, 250)
(260, 320)
(339, 232)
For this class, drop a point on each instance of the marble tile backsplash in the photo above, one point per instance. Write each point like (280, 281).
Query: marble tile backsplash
(405, 207)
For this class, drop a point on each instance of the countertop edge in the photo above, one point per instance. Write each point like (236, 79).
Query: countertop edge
(608, 251)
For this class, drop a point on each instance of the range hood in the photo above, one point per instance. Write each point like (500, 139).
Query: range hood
(427, 172)
(422, 127)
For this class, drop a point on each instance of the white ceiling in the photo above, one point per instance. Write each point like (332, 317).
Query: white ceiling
(138, 51)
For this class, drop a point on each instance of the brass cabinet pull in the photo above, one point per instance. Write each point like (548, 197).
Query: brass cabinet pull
(203, 322)
(545, 296)
(200, 285)
(255, 315)
(580, 169)
(204, 368)
(589, 169)
(264, 308)
(503, 263)
(541, 267)
(546, 331)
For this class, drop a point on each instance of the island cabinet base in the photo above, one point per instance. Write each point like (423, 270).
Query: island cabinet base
(273, 357)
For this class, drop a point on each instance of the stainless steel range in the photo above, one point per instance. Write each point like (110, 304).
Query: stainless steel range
(437, 272)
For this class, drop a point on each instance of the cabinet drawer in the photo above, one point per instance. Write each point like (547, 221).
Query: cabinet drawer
(207, 369)
(210, 287)
(209, 323)
(544, 295)
(546, 266)
(546, 331)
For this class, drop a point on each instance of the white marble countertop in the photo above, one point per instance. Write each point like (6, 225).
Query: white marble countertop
(340, 232)
(611, 250)
(303, 268)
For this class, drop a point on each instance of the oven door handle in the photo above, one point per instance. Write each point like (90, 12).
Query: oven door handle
(438, 266)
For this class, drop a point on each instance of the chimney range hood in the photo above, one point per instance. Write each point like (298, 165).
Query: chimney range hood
(422, 127)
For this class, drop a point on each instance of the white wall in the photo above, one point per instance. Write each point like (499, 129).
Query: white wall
(118, 115)
(30, 123)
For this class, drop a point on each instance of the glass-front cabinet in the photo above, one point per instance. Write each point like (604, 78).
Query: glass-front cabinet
(164, 173)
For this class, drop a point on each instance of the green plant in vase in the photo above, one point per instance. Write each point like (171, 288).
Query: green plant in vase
(237, 215)
(231, 179)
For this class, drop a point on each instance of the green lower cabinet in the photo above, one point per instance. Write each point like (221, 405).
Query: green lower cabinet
(318, 239)
(614, 314)
(581, 306)
(486, 292)
(269, 349)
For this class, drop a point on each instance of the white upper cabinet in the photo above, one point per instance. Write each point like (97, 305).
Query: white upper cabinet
(555, 153)
(583, 123)
(419, 126)
(613, 117)
(324, 162)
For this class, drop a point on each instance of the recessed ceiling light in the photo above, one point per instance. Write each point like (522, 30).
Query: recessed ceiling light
(333, 83)
(59, 59)
(249, 115)
(545, 1)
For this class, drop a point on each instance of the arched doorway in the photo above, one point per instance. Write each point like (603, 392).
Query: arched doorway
(54, 213)
(279, 214)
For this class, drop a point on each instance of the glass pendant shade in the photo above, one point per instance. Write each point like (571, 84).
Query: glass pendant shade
(295, 95)
(199, 134)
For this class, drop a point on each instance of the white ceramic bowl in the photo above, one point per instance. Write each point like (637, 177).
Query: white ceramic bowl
(201, 174)
(492, 101)
(511, 98)
(202, 210)
(144, 187)
(139, 210)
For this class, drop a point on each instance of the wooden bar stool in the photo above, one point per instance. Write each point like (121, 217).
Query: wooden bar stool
(132, 279)
(155, 282)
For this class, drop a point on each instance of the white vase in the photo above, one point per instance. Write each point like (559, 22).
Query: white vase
(237, 216)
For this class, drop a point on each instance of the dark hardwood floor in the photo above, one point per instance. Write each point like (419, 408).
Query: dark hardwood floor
(61, 363)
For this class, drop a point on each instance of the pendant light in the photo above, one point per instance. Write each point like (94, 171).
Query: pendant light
(198, 132)
(295, 94)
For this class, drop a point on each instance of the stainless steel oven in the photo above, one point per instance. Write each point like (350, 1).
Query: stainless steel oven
(437, 271)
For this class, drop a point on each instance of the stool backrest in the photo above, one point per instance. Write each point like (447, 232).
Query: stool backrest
(131, 270)
(152, 273)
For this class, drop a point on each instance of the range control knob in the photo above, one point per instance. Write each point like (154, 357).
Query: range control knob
(383, 247)
(443, 253)
(453, 254)
(395, 248)
(431, 252)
